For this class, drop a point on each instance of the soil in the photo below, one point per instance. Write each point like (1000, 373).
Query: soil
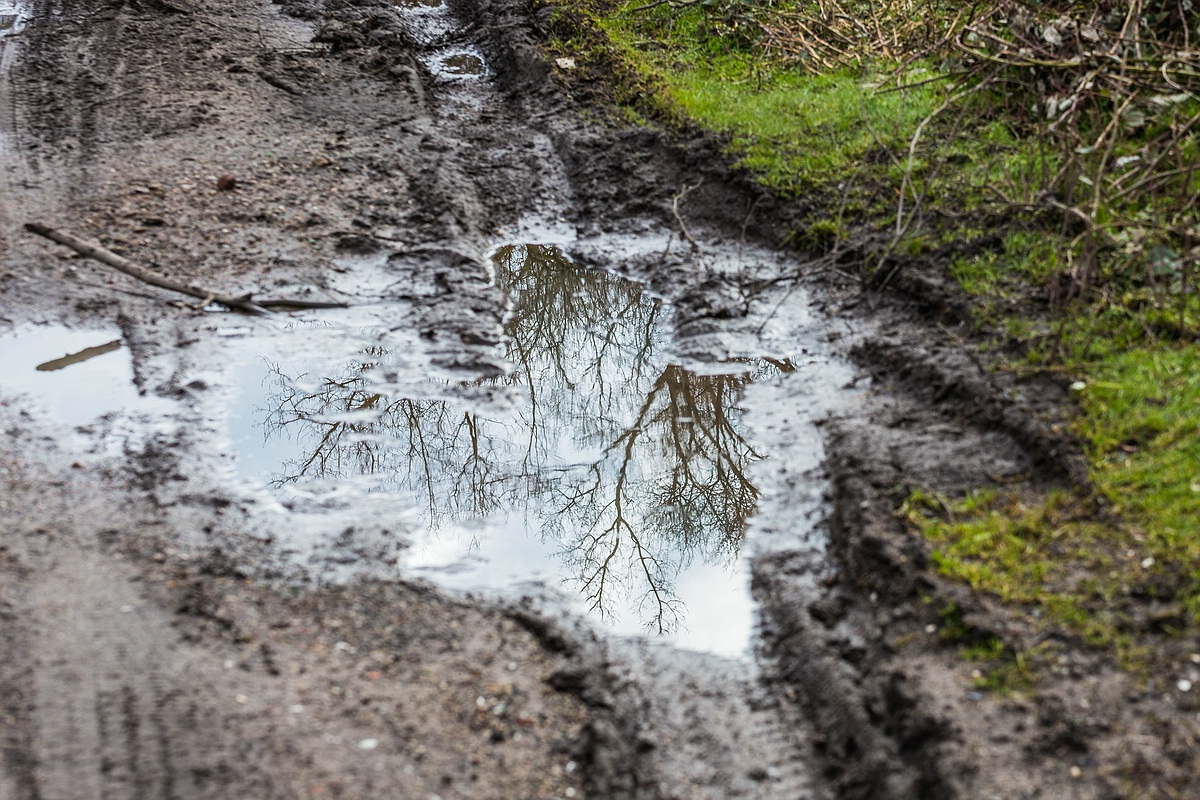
(160, 641)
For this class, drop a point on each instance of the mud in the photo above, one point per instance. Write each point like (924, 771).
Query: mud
(176, 626)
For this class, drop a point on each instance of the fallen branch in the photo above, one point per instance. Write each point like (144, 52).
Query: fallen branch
(93, 250)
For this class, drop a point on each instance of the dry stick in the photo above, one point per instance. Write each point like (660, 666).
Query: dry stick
(912, 152)
(93, 250)
(679, 217)
(674, 5)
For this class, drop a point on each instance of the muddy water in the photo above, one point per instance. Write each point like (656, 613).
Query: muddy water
(616, 475)
(13, 16)
(70, 376)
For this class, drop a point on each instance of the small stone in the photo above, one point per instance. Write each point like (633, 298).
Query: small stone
(368, 744)
(241, 699)
(565, 63)
(1184, 685)
(1078, 386)
(297, 709)
(1147, 563)
(931, 628)
(226, 183)
(1076, 772)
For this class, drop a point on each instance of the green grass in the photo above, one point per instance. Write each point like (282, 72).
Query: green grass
(795, 131)
(1028, 259)
(1142, 419)
(1043, 555)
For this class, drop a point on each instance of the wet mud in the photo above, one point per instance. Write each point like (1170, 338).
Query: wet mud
(590, 491)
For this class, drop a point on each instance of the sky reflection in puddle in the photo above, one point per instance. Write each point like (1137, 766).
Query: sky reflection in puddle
(13, 17)
(622, 478)
(74, 377)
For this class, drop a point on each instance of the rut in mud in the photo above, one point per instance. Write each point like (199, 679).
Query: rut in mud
(577, 388)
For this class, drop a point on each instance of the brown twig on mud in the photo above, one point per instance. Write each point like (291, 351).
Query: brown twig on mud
(969, 352)
(244, 303)
(679, 217)
(671, 3)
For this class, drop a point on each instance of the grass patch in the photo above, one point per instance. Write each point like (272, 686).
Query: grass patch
(799, 132)
(1045, 556)
(999, 668)
(795, 131)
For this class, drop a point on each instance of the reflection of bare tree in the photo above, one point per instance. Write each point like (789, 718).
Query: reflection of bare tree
(645, 525)
(634, 467)
(427, 449)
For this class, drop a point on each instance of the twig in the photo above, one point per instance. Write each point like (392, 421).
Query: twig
(679, 217)
(656, 3)
(95, 251)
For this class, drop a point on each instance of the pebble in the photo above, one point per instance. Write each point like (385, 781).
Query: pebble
(368, 744)
(1076, 772)
(226, 183)
(1184, 685)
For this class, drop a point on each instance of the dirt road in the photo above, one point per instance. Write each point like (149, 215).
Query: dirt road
(172, 629)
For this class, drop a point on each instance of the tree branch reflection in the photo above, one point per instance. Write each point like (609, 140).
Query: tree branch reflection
(635, 468)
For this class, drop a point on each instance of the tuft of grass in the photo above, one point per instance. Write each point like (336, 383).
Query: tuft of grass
(798, 132)
(1027, 260)
(1000, 668)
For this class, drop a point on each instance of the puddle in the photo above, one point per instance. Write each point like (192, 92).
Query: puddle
(456, 63)
(617, 475)
(13, 17)
(74, 377)
(429, 21)
(463, 64)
